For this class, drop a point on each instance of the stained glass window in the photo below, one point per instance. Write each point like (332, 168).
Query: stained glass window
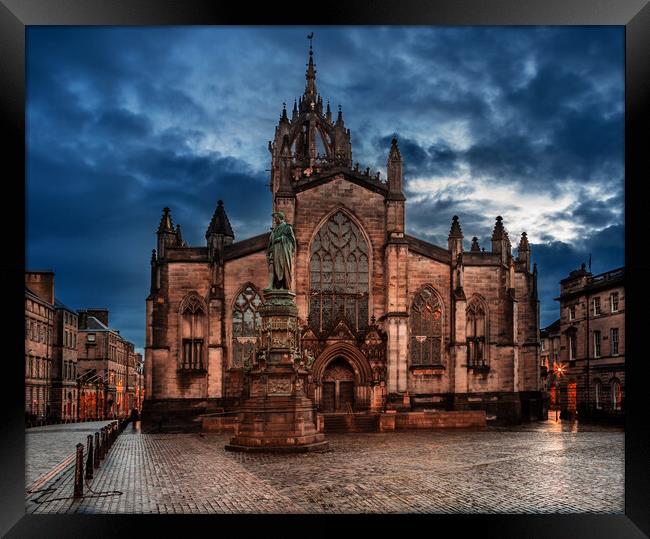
(425, 323)
(339, 275)
(245, 323)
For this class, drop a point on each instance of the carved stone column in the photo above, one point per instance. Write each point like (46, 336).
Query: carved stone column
(278, 416)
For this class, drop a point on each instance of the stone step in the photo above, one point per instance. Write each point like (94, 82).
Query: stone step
(340, 423)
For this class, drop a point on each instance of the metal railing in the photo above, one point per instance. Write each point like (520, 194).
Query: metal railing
(84, 462)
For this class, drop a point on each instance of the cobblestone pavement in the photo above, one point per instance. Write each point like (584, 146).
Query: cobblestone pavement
(540, 468)
(46, 446)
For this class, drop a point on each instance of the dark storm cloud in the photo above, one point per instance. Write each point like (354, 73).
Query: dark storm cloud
(124, 121)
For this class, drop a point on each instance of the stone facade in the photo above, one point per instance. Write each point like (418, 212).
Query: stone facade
(388, 321)
(39, 346)
(76, 368)
(591, 337)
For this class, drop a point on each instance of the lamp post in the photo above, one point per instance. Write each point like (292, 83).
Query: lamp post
(559, 371)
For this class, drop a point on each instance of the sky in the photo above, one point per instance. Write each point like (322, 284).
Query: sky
(522, 122)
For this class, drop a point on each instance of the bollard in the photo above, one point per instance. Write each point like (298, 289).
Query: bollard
(89, 460)
(79, 472)
(102, 443)
(96, 456)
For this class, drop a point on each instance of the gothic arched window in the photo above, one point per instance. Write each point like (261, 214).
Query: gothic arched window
(339, 274)
(476, 330)
(193, 314)
(425, 323)
(245, 323)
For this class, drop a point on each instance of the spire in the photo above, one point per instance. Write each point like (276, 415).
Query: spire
(339, 118)
(166, 222)
(524, 251)
(294, 112)
(220, 223)
(475, 246)
(499, 231)
(310, 75)
(523, 243)
(395, 154)
(179, 236)
(328, 112)
(284, 117)
(455, 231)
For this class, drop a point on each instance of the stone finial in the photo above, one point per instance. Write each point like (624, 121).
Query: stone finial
(220, 224)
(166, 224)
(455, 231)
(394, 154)
(475, 246)
(499, 232)
(523, 243)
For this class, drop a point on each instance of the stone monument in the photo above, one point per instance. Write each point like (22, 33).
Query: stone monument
(277, 416)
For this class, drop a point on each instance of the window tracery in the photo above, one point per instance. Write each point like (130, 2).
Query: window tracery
(339, 274)
(245, 324)
(425, 325)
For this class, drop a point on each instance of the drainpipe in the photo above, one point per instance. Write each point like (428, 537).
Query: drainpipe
(588, 354)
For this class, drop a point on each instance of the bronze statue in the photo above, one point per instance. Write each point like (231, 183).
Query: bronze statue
(282, 245)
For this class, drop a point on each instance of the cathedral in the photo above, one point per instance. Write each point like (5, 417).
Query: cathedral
(387, 321)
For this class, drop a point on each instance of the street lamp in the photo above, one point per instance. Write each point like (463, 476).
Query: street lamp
(559, 371)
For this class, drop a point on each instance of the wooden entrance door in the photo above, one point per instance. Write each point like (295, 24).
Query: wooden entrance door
(328, 403)
(346, 395)
(338, 386)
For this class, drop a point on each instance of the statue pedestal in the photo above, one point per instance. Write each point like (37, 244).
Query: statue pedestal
(278, 416)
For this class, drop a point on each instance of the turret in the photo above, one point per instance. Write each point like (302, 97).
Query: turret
(475, 248)
(524, 251)
(219, 233)
(395, 198)
(500, 240)
(166, 233)
(394, 168)
(455, 240)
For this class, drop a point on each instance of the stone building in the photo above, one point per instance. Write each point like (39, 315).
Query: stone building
(39, 333)
(64, 368)
(549, 357)
(391, 320)
(105, 360)
(592, 350)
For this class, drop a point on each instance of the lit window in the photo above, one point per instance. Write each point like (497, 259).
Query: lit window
(613, 343)
(596, 343)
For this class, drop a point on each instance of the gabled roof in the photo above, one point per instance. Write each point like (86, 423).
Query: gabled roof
(328, 174)
(59, 305)
(92, 324)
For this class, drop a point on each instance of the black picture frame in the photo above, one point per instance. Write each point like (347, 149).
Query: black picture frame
(16, 15)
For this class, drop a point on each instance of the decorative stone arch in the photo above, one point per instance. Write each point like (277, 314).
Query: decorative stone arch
(422, 295)
(356, 361)
(369, 253)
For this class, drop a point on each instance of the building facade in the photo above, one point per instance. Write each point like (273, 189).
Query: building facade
(592, 345)
(108, 364)
(39, 346)
(76, 368)
(389, 320)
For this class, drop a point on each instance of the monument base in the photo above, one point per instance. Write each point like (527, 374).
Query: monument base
(278, 416)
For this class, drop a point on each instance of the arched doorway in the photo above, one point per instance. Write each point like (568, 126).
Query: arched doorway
(338, 386)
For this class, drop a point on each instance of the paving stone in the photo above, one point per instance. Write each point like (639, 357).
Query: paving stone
(538, 468)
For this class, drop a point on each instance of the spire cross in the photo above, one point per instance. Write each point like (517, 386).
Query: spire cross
(310, 37)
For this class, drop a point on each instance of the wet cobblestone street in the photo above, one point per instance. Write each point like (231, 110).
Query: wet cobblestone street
(543, 467)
